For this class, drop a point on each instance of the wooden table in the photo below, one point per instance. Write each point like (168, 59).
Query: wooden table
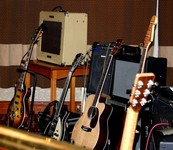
(54, 73)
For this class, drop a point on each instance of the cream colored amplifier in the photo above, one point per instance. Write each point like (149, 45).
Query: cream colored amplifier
(66, 36)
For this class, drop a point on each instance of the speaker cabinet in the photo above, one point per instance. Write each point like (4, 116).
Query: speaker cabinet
(125, 71)
(159, 67)
(99, 53)
(62, 40)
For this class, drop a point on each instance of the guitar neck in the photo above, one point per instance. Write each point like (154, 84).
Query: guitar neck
(63, 95)
(102, 79)
(147, 41)
(143, 61)
(24, 67)
(140, 91)
(76, 62)
(108, 61)
(129, 129)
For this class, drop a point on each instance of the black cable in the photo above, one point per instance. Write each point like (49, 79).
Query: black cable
(59, 8)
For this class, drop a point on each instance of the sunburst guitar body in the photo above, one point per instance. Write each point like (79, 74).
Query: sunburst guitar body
(18, 110)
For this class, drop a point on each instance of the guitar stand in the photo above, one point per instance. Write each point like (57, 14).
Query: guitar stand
(31, 112)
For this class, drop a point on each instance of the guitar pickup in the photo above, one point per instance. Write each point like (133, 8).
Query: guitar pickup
(16, 102)
(18, 96)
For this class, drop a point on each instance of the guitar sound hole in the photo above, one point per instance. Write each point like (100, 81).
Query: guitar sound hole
(86, 129)
(93, 114)
(72, 141)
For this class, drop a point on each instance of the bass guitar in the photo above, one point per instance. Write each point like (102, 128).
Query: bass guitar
(55, 127)
(140, 91)
(91, 130)
(18, 108)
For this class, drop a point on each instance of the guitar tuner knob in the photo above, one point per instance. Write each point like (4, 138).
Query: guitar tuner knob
(137, 93)
(150, 83)
(146, 92)
(143, 101)
(140, 84)
(134, 102)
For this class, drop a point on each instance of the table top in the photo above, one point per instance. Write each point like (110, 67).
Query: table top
(55, 71)
(47, 65)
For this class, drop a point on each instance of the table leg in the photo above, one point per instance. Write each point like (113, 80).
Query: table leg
(27, 80)
(53, 89)
(72, 94)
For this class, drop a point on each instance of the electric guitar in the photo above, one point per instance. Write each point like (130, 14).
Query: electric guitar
(91, 130)
(55, 127)
(137, 99)
(18, 109)
(140, 91)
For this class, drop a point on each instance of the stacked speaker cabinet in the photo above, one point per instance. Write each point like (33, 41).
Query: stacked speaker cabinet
(99, 53)
(159, 67)
(118, 67)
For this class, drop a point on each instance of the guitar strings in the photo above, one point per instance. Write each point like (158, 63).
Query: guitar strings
(106, 57)
(87, 58)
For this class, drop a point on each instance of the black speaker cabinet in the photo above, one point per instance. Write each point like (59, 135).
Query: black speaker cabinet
(99, 53)
(159, 67)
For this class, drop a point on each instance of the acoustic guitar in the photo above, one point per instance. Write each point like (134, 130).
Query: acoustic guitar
(18, 109)
(91, 130)
(141, 89)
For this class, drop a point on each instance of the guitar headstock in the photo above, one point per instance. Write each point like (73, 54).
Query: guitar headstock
(117, 47)
(77, 61)
(38, 33)
(150, 32)
(141, 89)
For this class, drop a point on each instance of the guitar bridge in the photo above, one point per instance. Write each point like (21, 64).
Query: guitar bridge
(86, 129)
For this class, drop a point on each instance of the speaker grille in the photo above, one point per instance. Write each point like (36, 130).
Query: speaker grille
(99, 53)
(124, 74)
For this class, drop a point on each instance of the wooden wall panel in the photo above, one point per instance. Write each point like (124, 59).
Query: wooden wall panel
(108, 20)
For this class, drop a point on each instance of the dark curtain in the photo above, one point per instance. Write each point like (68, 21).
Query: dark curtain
(107, 19)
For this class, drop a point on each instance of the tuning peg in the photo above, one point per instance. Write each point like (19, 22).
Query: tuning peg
(137, 93)
(143, 101)
(134, 102)
(140, 84)
(150, 83)
(146, 92)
